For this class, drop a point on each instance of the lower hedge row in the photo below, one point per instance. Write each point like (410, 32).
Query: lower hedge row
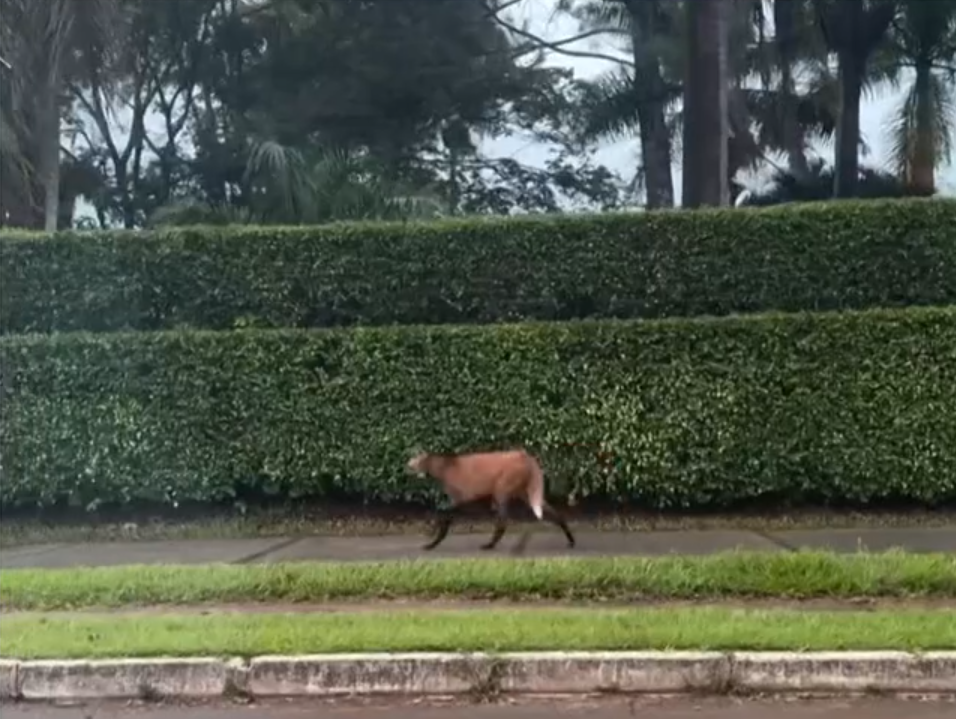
(812, 407)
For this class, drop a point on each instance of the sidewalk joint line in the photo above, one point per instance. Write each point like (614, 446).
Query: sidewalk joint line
(782, 543)
(269, 550)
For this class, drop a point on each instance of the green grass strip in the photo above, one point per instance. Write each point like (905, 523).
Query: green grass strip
(36, 636)
(728, 575)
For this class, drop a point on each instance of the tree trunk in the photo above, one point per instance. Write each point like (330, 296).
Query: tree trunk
(656, 150)
(922, 162)
(48, 152)
(853, 30)
(656, 155)
(785, 30)
(706, 122)
(66, 210)
(846, 177)
(792, 134)
(454, 187)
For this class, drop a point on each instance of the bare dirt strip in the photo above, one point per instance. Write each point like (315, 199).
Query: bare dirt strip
(439, 605)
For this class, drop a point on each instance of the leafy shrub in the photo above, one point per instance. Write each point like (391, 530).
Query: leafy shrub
(832, 407)
(841, 255)
(818, 186)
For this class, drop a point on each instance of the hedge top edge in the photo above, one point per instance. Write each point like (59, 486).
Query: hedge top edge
(438, 228)
(893, 315)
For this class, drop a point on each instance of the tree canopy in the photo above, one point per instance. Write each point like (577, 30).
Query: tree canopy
(309, 111)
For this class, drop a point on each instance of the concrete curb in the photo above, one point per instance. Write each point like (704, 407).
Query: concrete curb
(481, 674)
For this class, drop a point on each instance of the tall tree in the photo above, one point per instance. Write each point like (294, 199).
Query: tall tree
(706, 119)
(924, 38)
(791, 41)
(16, 168)
(309, 107)
(637, 95)
(42, 42)
(853, 29)
(757, 113)
(154, 76)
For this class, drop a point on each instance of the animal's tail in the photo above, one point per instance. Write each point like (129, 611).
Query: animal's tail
(536, 490)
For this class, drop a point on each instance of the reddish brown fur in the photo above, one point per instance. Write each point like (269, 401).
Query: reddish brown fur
(502, 476)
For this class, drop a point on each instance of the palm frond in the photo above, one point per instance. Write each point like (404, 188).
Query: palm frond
(944, 112)
(276, 176)
(904, 128)
(883, 71)
(901, 132)
(925, 30)
(602, 13)
(290, 185)
(610, 107)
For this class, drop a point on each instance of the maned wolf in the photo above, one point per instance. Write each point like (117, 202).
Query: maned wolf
(502, 477)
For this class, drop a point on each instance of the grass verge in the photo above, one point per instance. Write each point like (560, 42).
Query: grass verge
(32, 636)
(726, 575)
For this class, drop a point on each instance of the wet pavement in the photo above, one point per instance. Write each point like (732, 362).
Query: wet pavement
(543, 544)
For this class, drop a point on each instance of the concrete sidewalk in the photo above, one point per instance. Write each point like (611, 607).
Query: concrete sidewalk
(544, 543)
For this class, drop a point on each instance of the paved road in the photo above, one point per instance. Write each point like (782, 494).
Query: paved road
(543, 543)
(645, 708)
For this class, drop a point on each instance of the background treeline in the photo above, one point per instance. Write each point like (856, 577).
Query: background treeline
(305, 111)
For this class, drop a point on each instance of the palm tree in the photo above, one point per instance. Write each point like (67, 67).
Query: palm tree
(288, 186)
(924, 37)
(325, 185)
(641, 96)
(762, 119)
(42, 37)
(854, 30)
(706, 117)
(790, 20)
(773, 114)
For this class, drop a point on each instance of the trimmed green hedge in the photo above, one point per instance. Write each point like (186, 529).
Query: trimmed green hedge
(808, 407)
(841, 255)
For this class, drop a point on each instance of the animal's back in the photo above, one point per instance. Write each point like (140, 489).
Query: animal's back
(502, 475)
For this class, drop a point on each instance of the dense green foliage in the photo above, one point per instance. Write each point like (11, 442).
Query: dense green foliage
(195, 634)
(815, 257)
(807, 407)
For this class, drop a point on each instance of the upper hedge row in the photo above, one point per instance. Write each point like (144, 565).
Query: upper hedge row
(806, 407)
(849, 255)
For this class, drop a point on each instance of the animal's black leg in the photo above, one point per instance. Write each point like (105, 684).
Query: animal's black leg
(501, 524)
(552, 515)
(445, 518)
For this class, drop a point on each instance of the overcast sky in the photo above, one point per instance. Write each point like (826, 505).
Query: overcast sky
(876, 112)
